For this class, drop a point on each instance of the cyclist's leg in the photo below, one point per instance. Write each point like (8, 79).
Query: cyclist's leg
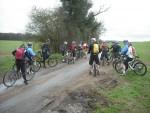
(102, 56)
(96, 58)
(18, 66)
(74, 54)
(91, 63)
(44, 59)
(22, 66)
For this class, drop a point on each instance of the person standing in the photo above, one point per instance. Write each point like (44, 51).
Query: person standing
(45, 53)
(19, 54)
(94, 50)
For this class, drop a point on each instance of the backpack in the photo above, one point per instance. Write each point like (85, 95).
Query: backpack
(95, 48)
(116, 48)
(20, 53)
(28, 55)
(133, 51)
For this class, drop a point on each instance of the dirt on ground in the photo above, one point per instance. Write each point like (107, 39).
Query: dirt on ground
(82, 96)
(64, 89)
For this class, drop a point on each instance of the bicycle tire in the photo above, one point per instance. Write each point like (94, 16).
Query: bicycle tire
(138, 68)
(36, 67)
(9, 78)
(52, 62)
(94, 70)
(29, 73)
(119, 67)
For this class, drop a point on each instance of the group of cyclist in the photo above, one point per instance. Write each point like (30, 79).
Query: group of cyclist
(73, 48)
(22, 54)
(94, 48)
(25, 53)
(102, 47)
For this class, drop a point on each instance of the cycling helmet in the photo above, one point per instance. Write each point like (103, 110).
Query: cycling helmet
(29, 44)
(73, 42)
(93, 39)
(65, 42)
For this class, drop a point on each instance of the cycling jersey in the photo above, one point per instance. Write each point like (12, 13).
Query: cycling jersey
(29, 53)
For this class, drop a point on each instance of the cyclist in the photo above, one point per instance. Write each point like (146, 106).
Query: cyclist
(94, 50)
(63, 48)
(19, 54)
(130, 55)
(73, 48)
(30, 54)
(124, 51)
(85, 49)
(45, 53)
(116, 49)
(105, 50)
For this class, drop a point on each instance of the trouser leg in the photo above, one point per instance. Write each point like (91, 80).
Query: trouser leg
(23, 71)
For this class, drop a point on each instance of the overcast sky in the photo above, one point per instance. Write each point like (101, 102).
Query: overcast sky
(126, 19)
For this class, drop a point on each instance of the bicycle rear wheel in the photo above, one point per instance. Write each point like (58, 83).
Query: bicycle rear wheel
(9, 78)
(140, 68)
(52, 62)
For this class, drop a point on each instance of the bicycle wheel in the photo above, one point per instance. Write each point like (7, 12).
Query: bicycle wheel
(29, 73)
(36, 66)
(52, 62)
(140, 68)
(9, 78)
(94, 69)
(119, 67)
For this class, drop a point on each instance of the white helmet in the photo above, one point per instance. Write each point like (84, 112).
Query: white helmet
(65, 42)
(93, 39)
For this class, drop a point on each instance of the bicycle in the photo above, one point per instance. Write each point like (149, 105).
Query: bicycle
(95, 69)
(11, 76)
(50, 61)
(135, 65)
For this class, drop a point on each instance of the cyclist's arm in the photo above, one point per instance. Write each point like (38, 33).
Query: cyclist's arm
(13, 52)
(32, 53)
(90, 49)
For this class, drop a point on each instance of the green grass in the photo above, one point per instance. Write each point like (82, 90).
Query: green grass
(6, 58)
(132, 95)
(8, 46)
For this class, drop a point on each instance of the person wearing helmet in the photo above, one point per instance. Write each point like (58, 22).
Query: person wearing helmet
(30, 54)
(105, 50)
(115, 49)
(19, 54)
(130, 55)
(45, 52)
(73, 48)
(94, 50)
(124, 50)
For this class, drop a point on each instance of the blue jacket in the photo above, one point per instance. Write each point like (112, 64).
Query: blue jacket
(124, 50)
(30, 53)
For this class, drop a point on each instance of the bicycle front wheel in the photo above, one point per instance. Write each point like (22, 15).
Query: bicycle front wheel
(119, 67)
(9, 78)
(94, 69)
(36, 66)
(52, 62)
(29, 73)
(140, 68)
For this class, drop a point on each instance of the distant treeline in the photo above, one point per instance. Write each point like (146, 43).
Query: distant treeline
(16, 36)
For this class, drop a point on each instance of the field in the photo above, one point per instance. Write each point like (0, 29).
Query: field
(6, 58)
(132, 95)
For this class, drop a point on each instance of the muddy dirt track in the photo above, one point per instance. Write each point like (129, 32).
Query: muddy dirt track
(52, 89)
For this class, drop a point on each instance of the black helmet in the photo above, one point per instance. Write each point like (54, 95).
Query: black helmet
(29, 44)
